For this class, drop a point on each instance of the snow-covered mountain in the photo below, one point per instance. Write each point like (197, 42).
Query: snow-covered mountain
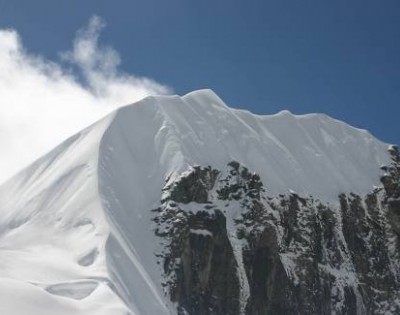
(182, 205)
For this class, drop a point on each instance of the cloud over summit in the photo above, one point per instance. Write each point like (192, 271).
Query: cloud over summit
(43, 102)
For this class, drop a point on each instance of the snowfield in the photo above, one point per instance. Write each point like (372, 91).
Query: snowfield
(75, 227)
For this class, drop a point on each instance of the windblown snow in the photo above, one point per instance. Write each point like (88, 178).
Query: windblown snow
(75, 227)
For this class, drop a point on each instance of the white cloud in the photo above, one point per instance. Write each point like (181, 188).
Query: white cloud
(42, 102)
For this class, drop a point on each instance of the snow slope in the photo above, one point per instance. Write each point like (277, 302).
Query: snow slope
(53, 233)
(75, 229)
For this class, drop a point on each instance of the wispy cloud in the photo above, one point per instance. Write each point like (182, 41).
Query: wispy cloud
(43, 102)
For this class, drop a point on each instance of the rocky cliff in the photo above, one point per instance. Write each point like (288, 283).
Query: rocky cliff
(233, 248)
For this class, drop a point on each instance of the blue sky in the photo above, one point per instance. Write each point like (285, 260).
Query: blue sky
(337, 57)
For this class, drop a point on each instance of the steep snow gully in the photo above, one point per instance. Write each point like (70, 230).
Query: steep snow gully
(77, 226)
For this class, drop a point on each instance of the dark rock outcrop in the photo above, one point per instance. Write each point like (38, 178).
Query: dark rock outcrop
(199, 262)
(234, 249)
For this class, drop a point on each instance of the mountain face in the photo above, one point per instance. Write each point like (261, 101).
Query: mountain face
(181, 205)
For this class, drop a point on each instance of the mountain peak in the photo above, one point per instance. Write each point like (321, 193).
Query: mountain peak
(199, 129)
(87, 208)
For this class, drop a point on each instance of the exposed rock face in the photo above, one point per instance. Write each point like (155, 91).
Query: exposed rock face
(391, 183)
(199, 265)
(230, 248)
